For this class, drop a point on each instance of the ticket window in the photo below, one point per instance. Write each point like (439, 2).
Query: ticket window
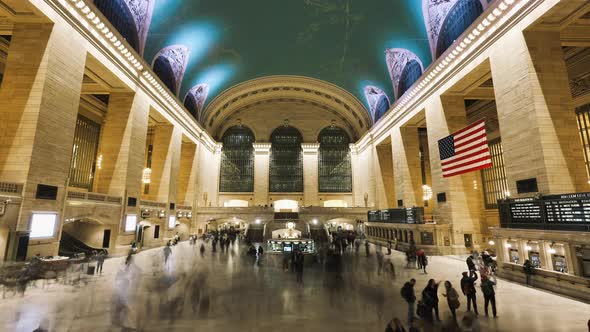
(514, 256)
(559, 263)
(535, 258)
(584, 257)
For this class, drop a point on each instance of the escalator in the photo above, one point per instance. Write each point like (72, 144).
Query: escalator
(70, 246)
(255, 235)
(318, 235)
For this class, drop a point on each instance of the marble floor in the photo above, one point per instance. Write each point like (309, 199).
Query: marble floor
(231, 292)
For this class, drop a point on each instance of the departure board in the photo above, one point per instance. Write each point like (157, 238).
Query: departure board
(566, 211)
(399, 215)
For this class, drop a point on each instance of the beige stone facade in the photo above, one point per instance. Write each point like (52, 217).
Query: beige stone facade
(62, 55)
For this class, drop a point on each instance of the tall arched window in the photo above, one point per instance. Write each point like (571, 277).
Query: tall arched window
(411, 73)
(117, 12)
(163, 68)
(335, 172)
(459, 18)
(381, 107)
(237, 160)
(286, 160)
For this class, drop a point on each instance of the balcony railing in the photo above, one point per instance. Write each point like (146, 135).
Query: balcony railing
(93, 197)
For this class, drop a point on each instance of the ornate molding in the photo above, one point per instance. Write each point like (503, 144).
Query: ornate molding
(435, 12)
(178, 56)
(397, 59)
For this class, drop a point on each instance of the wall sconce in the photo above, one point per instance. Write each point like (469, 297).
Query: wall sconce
(507, 193)
(528, 247)
(491, 242)
(314, 221)
(551, 249)
(426, 193)
(258, 221)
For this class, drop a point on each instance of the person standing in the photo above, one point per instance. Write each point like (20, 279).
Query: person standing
(202, 249)
(489, 294)
(468, 288)
(367, 248)
(452, 298)
(529, 269)
(430, 298)
(380, 260)
(408, 294)
(99, 261)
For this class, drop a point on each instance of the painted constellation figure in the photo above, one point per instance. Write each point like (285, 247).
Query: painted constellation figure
(142, 11)
(170, 64)
(397, 60)
(377, 100)
(195, 99)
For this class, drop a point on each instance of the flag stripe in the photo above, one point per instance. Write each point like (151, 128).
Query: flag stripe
(470, 156)
(468, 162)
(470, 169)
(460, 155)
(470, 139)
(471, 146)
(470, 128)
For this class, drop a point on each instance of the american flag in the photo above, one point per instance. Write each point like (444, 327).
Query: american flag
(465, 151)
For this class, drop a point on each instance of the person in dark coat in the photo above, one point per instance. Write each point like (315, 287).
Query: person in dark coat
(430, 298)
(468, 288)
(408, 294)
(299, 258)
(452, 299)
(529, 269)
(395, 325)
(489, 294)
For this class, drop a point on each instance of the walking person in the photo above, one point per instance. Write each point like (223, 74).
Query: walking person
(367, 248)
(430, 298)
(452, 298)
(167, 252)
(408, 294)
(424, 262)
(202, 249)
(380, 260)
(489, 294)
(468, 288)
(100, 261)
(470, 266)
(299, 259)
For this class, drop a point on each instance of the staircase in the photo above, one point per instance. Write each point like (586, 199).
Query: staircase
(70, 246)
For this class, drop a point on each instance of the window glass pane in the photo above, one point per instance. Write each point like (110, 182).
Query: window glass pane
(286, 160)
(237, 160)
(494, 178)
(335, 171)
(43, 225)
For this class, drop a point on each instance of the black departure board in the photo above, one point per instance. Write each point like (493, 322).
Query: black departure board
(566, 211)
(399, 216)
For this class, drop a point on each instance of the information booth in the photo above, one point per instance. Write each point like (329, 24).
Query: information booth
(277, 246)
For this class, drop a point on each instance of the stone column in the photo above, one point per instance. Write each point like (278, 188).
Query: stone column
(540, 137)
(122, 145)
(261, 179)
(165, 163)
(462, 209)
(407, 169)
(39, 100)
(310, 174)
(187, 179)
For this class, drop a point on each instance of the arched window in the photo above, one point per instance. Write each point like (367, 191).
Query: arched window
(411, 73)
(381, 107)
(286, 160)
(237, 160)
(459, 18)
(191, 105)
(163, 68)
(117, 12)
(334, 167)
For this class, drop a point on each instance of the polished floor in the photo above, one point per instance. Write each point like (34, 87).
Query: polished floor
(230, 292)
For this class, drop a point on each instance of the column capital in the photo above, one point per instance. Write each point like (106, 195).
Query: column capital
(310, 148)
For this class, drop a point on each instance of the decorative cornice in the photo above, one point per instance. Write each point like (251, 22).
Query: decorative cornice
(91, 24)
(287, 89)
(493, 23)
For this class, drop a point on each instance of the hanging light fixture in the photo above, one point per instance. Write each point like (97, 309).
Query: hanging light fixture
(146, 175)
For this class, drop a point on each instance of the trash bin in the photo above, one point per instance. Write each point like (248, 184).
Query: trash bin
(90, 270)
